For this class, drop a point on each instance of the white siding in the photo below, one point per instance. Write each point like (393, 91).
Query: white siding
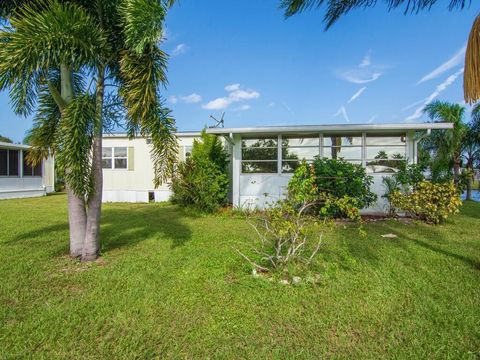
(123, 185)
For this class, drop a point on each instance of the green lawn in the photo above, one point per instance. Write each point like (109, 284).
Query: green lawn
(169, 285)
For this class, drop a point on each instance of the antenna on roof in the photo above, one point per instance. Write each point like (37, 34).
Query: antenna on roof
(219, 123)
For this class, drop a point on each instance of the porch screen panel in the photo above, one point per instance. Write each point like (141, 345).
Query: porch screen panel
(259, 155)
(13, 168)
(28, 169)
(343, 147)
(385, 153)
(3, 162)
(296, 149)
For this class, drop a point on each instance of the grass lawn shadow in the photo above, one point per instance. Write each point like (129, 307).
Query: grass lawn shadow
(129, 225)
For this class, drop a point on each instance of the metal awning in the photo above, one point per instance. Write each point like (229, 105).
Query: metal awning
(345, 128)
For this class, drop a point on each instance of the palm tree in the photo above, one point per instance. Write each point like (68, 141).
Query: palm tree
(49, 51)
(337, 8)
(471, 146)
(447, 145)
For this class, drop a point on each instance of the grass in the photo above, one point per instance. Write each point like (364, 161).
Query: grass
(169, 285)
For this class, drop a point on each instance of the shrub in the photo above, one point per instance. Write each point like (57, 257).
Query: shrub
(288, 235)
(333, 178)
(429, 202)
(202, 180)
(407, 178)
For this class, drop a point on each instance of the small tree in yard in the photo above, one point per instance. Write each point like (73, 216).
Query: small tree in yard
(49, 51)
(201, 181)
(291, 231)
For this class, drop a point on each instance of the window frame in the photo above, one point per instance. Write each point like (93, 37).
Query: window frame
(276, 160)
(112, 158)
(362, 138)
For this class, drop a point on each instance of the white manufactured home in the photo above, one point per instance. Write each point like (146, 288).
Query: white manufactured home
(262, 159)
(18, 179)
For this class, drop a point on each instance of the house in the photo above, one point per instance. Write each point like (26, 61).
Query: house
(128, 169)
(263, 159)
(18, 179)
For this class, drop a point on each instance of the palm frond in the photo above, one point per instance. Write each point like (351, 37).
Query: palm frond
(143, 20)
(75, 140)
(161, 129)
(337, 8)
(471, 78)
(38, 40)
(140, 77)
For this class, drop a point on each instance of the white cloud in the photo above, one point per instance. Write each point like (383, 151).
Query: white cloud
(191, 99)
(455, 60)
(239, 95)
(363, 73)
(342, 111)
(441, 87)
(412, 105)
(232, 87)
(173, 99)
(366, 61)
(271, 104)
(180, 49)
(357, 94)
(360, 77)
(235, 94)
(217, 104)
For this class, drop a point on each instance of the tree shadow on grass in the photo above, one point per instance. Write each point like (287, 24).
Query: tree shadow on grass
(471, 209)
(435, 234)
(128, 226)
(122, 226)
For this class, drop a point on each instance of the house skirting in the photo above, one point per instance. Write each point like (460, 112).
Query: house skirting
(132, 196)
(22, 193)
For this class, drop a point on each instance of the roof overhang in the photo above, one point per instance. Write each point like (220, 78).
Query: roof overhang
(4, 145)
(348, 128)
(125, 135)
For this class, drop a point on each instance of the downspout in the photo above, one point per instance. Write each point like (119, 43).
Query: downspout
(415, 143)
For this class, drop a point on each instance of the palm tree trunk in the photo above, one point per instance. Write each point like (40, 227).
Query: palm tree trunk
(456, 170)
(469, 189)
(77, 217)
(91, 245)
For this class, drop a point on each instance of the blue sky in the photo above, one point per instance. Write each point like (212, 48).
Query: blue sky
(244, 58)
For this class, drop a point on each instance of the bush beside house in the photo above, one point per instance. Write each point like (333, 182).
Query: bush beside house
(201, 181)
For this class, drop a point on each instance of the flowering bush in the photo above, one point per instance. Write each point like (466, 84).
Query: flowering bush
(429, 202)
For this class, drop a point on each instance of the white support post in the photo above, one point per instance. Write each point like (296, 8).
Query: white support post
(279, 155)
(236, 169)
(320, 138)
(364, 149)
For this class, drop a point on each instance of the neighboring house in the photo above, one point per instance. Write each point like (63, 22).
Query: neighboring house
(128, 169)
(264, 158)
(18, 179)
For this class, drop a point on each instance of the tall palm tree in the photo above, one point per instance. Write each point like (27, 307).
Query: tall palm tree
(471, 146)
(447, 145)
(337, 8)
(49, 51)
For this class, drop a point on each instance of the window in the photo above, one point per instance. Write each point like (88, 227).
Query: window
(345, 147)
(29, 170)
(385, 153)
(114, 158)
(9, 162)
(295, 149)
(259, 155)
